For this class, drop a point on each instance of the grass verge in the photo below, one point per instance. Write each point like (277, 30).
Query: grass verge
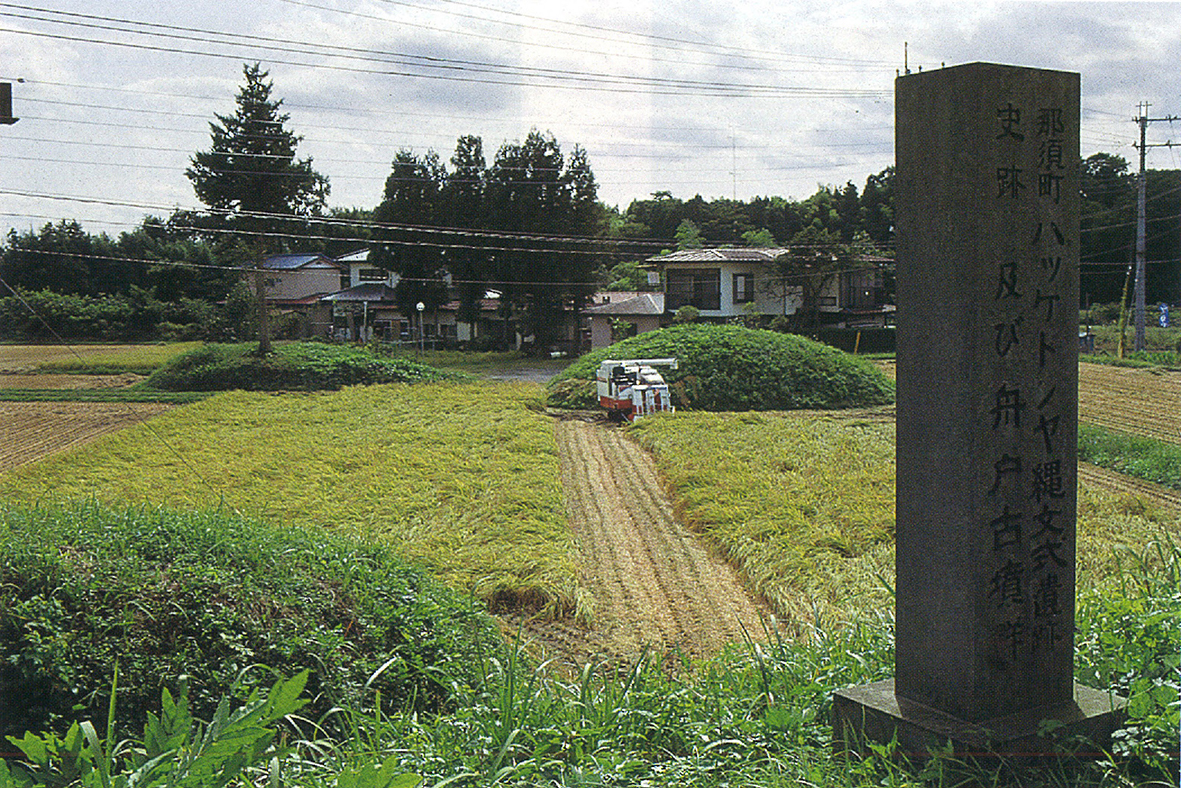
(213, 596)
(1134, 455)
(133, 394)
(461, 476)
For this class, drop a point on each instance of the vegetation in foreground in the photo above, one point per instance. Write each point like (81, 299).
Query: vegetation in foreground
(86, 590)
(461, 476)
(299, 366)
(731, 368)
(757, 715)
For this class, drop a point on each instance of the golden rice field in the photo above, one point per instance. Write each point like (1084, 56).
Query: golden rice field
(803, 503)
(71, 358)
(463, 477)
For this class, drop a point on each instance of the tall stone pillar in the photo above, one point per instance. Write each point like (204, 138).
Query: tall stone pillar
(987, 227)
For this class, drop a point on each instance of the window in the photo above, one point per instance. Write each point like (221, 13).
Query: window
(862, 289)
(744, 288)
(345, 282)
(699, 287)
(372, 275)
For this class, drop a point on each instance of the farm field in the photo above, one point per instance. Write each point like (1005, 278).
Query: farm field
(653, 582)
(1124, 399)
(633, 570)
(1136, 401)
(30, 431)
(26, 358)
(70, 358)
(424, 467)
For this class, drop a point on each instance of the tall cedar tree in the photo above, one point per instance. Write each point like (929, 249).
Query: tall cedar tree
(463, 201)
(251, 168)
(412, 200)
(532, 189)
(250, 179)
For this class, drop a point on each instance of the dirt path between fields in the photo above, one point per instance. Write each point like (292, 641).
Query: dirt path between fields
(654, 583)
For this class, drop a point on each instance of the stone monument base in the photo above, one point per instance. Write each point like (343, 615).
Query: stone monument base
(873, 712)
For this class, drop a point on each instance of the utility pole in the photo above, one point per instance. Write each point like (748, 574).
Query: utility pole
(1141, 214)
(6, 104)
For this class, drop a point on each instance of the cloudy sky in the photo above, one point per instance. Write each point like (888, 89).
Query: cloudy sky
(709, 97)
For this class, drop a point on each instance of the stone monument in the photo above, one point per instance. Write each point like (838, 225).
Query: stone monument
(987, 227)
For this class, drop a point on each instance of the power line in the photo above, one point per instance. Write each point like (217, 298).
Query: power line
(565, 80)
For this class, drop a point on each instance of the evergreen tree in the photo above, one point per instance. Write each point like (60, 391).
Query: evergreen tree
(412, 200)
(250, 179)
(250, 167)
(463, 206)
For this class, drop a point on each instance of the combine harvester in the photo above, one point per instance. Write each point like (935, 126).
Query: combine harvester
(631, 389)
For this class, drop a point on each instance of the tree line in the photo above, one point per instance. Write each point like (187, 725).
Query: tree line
(521, 224)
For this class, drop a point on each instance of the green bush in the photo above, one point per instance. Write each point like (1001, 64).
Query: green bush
(139, 315)
(731, 368)
(162, 594)
(305, 366)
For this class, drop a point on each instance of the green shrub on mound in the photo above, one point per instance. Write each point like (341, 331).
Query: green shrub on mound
(207, 595)
(731, 368)
(301, 366)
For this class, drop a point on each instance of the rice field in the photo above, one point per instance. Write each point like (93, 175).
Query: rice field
(461, 477)
(803, 504)
(91, 359)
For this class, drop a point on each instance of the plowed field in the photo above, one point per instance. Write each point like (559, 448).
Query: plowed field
(1162, 497)
(32, 430)
(1136, 401)
(654, 582)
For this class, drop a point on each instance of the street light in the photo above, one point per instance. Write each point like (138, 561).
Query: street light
(420, 306)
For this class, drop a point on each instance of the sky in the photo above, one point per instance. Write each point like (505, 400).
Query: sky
(693, 97)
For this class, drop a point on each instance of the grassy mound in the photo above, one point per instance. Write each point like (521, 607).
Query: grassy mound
(163, 594)
(730, 368)
(306, 366)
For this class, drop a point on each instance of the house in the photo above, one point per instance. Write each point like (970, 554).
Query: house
(295, 284)
(348, 298)
(642, 311)
(361, 272)
(726, 283)
(294, 277)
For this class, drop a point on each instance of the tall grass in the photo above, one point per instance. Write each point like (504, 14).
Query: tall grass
(463, 477)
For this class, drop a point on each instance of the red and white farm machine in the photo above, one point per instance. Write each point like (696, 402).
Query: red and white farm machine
(630, 389)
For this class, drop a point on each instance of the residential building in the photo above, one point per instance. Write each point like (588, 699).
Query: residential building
(639, 311)
(726, 283)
